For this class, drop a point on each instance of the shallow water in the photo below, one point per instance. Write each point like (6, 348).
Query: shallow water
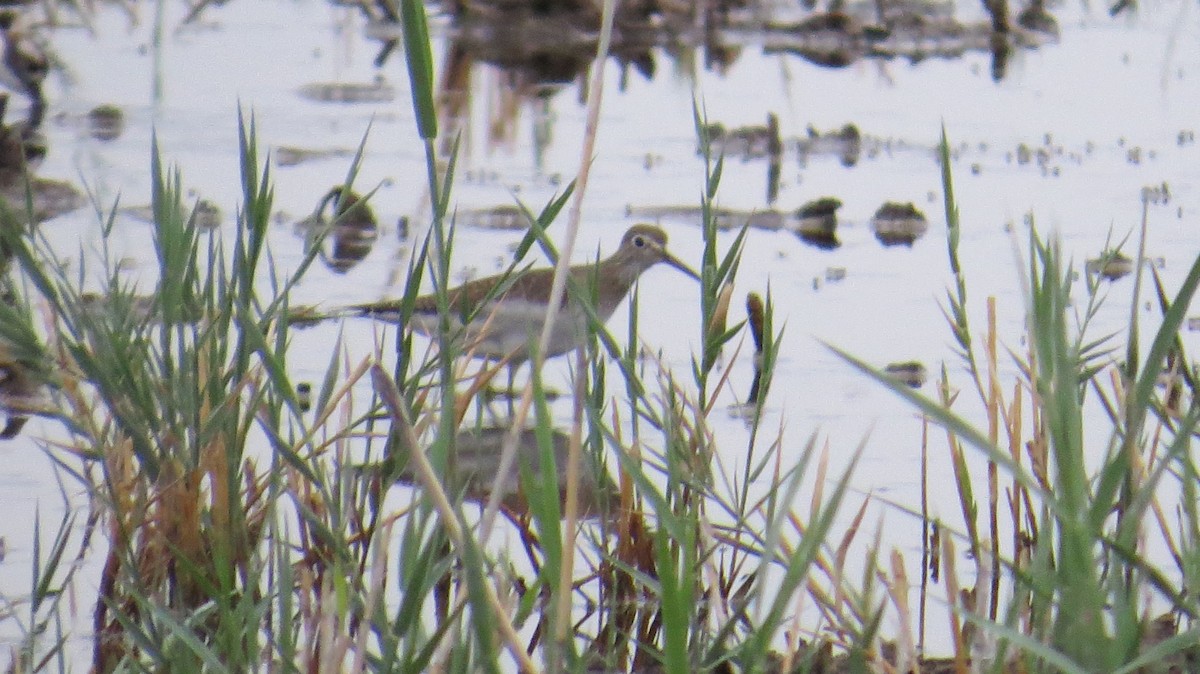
(1112, 104)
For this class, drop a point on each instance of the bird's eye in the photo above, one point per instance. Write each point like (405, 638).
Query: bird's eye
(639, 241)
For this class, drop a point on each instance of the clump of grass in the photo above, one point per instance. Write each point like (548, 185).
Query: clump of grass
(1072, 589)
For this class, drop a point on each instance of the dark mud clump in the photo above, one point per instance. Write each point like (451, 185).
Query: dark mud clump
(816, 223)
(105, 122)
(354, 229)
(910, 373)
(1110, 266)
(897, 224)
(747, 142)
(844, 143)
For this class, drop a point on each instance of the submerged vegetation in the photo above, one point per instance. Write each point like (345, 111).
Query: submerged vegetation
(242, 525)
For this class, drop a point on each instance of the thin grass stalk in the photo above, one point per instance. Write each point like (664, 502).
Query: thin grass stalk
(558, 285)
(1016, 491)
(570, 513)
(957, 318)
(1139, 401)
(716, 273)
(926, 557)
(442, 450)
(390, 395)
(995, 400)
(953, 599)
(1134, 412)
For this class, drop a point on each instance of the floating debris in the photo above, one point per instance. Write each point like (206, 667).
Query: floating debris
(833, 39)
(747, 142)
(307, 315)
(835, 274)
(838, 38)
(770, 220)
(1035, 18)
(910, 373)
(105, 122)
(507, 217)
(205, 215)
(897, 224)
(477, 463)
(125, 307)
(291, 156)
(1111, 265)
(348, 92)
(727, 219)
(96, 305)
(816, 223)
(1159, 195)
(51, 198)
(845, 143)
(1193, 323)
(354, 233)
(304, 396)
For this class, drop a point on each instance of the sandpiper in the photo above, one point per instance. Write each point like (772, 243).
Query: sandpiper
(503, 325)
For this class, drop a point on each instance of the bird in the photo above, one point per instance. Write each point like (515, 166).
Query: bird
(505, 313)
(477, 462)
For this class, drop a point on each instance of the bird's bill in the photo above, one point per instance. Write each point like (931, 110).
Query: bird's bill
(678, 264)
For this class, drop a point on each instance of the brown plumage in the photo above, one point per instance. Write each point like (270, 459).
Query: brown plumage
(505, 324)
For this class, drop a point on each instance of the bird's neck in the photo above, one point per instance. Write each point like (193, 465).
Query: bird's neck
(608, 282)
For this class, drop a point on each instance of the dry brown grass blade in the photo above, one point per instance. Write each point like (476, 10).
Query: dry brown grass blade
(716, 326)
(482, 379)
(926, 560)
(723, 381)
(818, 495)
(835, 572)
(624, 479)
(341, 394)
(571, 501)
(995, 405)
(962, 658)
(898, 590)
